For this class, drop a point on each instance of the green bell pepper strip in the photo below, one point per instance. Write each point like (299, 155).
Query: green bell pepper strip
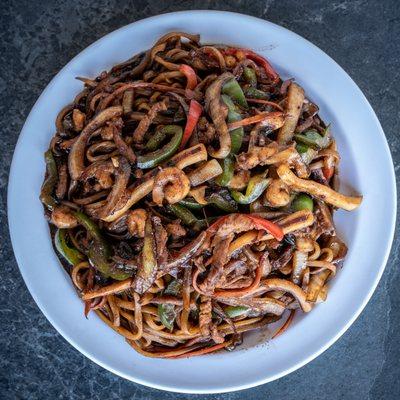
(253, 93)
(98, 255)
(301, 148)
(228, 166)
(173, 288)
(307, 153)
(326, 130)
(312, 139)
(254, 190)
(167, 314)
(99, 251)
(229, 103)
(188, 218)
(155, 141)
(235, 311)
(223, 201)
(156, 157)
(46, 193)
(228, 163)
(149, 256)
(202, 224)
(238, 133)
(183, 214)
(235, 92)
(147, 271)
(69, 252)
(192, 204)
(302, 202)
(89, 225)
(250, 76)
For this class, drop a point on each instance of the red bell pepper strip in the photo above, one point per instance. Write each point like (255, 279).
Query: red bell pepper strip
(190, 76)
(328, 172)
(251, 55)
(285, 325)
(263, 224)
(204, 350)
(195, 111)
(259, 222)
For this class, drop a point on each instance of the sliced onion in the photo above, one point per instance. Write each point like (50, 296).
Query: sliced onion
(299, 265)
(289, 287)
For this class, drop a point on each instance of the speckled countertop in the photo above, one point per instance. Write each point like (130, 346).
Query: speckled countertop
(38, 38)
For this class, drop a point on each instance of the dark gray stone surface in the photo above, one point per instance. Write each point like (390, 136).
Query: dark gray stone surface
(38, 38)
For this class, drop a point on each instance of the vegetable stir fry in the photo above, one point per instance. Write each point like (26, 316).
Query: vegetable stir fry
(190, 193)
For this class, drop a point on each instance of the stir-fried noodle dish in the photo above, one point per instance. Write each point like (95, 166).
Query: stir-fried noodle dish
(190, 193)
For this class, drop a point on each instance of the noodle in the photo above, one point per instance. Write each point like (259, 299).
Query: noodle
(191, 194)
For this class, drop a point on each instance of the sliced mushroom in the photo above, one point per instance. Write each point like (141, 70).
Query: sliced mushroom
(239, 180)
(78, 118)
(101, 171)
(145, 123)
(63, 218)
(122, 174)
(317, 281)
(318, 190)
(136, 221)
(291, 157)
(304, 244)
(218, 113)
(324, 218)
(77, 153)
(293, 109)
(257, 156)
(176, 230)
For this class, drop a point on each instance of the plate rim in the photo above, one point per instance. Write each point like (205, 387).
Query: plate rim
(222, 388)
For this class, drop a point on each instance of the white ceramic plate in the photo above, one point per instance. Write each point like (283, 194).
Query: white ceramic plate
(366, 167)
